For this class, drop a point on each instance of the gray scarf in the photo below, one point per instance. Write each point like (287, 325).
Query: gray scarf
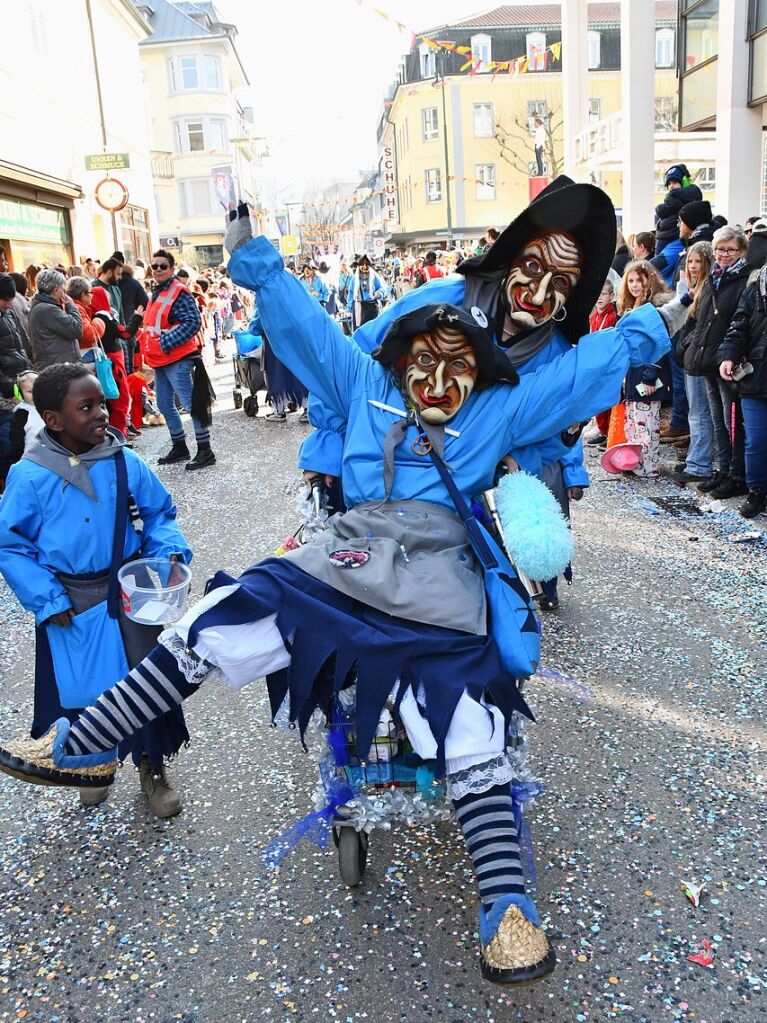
(434, 435)
(73, 469)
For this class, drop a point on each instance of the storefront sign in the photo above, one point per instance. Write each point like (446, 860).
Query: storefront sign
(111, 194)
(107, 162)
(32, 223)
(389, 171)
(289, 245)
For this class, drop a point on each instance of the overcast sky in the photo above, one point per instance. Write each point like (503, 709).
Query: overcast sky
(319, 72)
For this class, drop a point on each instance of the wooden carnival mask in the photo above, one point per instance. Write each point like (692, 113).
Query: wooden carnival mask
(440, 373)
(541, 279)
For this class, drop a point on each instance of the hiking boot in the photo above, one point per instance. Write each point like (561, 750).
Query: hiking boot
(717, 479)
(597, 441)
(682, 478)
(673, 434)
(93, 797)
(178, 453)
(203, 457)
(164, 800)
(755, 502)
(732, 487)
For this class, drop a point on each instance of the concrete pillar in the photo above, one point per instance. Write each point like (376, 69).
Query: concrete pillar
(638, 96)
(575, 90)
(738, 126)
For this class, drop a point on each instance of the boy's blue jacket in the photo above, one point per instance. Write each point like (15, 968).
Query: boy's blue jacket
(317, 287)
(492, 422)
(322, 450)
(48, 525)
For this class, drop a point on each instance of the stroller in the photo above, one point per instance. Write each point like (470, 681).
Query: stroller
(248, 368)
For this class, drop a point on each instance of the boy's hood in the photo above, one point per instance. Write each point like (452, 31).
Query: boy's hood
(46, 451)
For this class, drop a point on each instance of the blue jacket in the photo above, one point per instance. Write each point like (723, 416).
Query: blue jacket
(376, 289)
(492, 422)
(322, 450)
(48, 526)
(666, 260)
(317, 287)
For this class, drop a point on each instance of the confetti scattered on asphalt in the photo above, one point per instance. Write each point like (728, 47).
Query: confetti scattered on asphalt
(659, 776)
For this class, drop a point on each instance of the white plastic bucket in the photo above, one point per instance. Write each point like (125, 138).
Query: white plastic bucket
(154, 590)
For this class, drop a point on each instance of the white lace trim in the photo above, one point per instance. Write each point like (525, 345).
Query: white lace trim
(481, 777)
(192, 667)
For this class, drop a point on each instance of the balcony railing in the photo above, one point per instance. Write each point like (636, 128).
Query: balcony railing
(162, 165)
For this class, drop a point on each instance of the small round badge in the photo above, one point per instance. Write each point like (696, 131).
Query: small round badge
(349, 559)
(479, 316)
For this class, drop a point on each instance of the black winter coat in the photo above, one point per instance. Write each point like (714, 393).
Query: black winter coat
(620, 259)
(667, 212)
(712, 320)
(14, 345)
(747, 339)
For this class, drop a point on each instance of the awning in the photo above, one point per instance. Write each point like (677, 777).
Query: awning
(36, 186)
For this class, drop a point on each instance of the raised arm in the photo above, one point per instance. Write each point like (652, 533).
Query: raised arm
(584, 381)
(302, 335)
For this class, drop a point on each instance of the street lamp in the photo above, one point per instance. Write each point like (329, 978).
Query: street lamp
(439, 79)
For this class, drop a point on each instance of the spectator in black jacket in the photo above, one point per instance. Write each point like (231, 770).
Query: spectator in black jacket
(622, 254)
(134, 297)
(746, 342)
(680, 192)
(14, 359)
(718, 302)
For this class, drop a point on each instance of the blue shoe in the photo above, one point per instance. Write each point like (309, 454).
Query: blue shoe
(514, 948)
(43, 761)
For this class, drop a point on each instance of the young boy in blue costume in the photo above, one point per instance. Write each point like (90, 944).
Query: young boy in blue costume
(412, 615)
(67, 524)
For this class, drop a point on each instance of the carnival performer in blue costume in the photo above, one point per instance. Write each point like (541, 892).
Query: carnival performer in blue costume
(67, 524)
(535, 287)
(432, 413)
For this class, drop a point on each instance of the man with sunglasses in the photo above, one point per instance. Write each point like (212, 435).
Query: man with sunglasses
(170, 344)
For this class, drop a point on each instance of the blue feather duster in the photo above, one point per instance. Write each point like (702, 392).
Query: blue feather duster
(536, 533)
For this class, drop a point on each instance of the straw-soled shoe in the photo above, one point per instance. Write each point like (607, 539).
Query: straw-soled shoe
(518, 952)
(43, 761)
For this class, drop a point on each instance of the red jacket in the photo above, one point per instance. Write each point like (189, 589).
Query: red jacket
(601, 321)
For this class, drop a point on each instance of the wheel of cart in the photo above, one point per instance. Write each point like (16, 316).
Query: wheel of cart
(389, 770)
(352, 848)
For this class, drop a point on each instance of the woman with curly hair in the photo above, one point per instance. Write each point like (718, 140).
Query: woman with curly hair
(645, 387)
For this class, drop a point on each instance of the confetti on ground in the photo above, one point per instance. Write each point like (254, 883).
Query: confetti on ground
(660, 775)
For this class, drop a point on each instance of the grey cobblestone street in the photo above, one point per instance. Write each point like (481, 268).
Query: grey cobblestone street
(654, 763)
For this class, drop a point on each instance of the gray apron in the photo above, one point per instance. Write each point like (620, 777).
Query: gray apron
(420, 566)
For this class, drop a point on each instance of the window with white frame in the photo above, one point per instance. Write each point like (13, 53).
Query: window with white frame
(595, 109)
(535, 49)
(705, 179)
(198, 134)
(433, 183)
(481, 49)
(196, 198)
(594, 45)
(484, 174)
(195, 72)
(484, 123)
(429, 124)
(664, 47)
(536, 108)
(428, 61)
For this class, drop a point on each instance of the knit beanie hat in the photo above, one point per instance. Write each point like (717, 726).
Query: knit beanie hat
(678, 173)
(694, 214)
(7, 287)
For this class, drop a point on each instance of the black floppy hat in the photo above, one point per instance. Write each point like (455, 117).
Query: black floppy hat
(492, 365)
(583, 211)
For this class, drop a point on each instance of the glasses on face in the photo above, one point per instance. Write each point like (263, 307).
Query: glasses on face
(160, 266)
(747, 231)
(727, 252)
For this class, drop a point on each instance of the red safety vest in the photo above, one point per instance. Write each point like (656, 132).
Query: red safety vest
(156, 322)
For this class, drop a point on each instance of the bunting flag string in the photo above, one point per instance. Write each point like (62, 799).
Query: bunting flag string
(514, 66)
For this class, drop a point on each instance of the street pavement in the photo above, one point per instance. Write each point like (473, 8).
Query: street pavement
(650, 741)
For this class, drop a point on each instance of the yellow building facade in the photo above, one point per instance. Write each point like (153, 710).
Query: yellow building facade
(489, 178)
